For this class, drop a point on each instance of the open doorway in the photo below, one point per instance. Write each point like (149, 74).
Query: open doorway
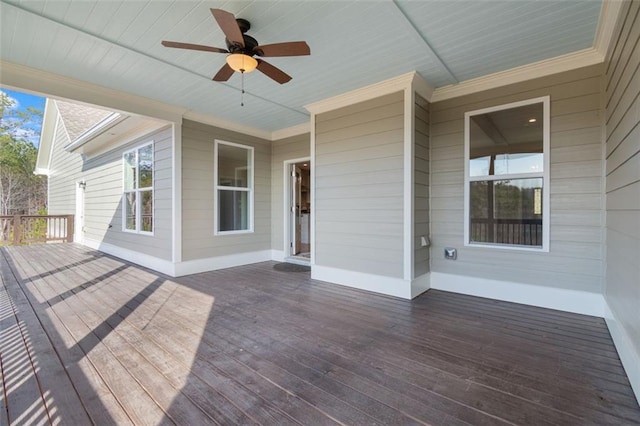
(298, 211)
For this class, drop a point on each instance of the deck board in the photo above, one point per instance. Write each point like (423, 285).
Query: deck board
(253, 345)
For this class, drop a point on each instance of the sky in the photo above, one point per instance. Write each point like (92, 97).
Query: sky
(30, 130)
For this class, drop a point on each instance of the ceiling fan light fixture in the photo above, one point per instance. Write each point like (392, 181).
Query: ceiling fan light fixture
(241, 62)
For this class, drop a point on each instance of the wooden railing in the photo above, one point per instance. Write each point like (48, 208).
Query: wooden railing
(26, 229)
(526, 232)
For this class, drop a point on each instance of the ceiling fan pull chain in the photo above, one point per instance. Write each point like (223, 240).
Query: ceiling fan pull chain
(242, 94)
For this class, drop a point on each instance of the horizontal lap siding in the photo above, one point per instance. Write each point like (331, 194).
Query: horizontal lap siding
(282, 150)
(64, 173)
(103, 193)
(197, 194)
(623, 175)
(421, 187)
(359, 187)
(575, 260)
(104, 200)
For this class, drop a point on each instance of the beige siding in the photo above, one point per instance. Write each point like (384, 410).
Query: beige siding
(197, 194)
(281, 151)
(64, 172)
(575, 260)
(421, 186)
(103, 193)
(103, 198)
(623, 175)
(359, 187)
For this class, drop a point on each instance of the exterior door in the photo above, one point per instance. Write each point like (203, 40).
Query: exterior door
(295, 196)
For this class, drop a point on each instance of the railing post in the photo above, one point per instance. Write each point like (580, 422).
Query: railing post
(70, 220)
(17, 226)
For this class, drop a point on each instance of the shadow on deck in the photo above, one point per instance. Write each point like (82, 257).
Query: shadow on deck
(88, 338)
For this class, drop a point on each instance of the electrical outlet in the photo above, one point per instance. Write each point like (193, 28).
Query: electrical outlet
(450, 253)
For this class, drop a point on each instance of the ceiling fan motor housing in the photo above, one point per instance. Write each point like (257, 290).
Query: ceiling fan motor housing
(249, 44)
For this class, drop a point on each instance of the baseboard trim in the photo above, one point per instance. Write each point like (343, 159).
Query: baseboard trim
(629, 356)
(420, 285)
(148, 261)
(376, 283)
(221, 262)
(277, 255)
(579, 302)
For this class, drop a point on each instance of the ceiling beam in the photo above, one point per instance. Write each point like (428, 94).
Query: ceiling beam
(423, 40)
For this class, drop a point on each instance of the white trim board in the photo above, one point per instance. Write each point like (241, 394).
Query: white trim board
(390, 286)
(197, 266)
(411, 80)
(151, 262)
(629, 356)
(579, 302)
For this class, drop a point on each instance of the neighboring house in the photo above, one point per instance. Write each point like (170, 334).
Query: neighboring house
(399, 175)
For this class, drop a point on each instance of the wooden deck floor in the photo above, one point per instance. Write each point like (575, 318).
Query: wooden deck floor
(87, 338)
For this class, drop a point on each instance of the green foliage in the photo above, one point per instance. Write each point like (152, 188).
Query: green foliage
(21, 192)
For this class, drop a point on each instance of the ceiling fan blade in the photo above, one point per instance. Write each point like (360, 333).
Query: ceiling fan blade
(291, 48)
(272, 72)
(229, 26)
(224, 73)
(190, 46)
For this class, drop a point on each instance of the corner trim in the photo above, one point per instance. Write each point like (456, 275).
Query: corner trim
(579, 302)
(570, 61)
(624, 345)
(420, 285)
(376, 283)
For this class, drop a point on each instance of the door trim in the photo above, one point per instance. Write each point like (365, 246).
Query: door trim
(286, 207)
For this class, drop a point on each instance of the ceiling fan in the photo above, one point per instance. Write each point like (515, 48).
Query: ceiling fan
(241, 49)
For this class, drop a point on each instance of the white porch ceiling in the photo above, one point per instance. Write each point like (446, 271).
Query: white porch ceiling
(116, 44)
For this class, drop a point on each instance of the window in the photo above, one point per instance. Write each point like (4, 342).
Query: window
(507, 175)
(138, 190)
(233, 188)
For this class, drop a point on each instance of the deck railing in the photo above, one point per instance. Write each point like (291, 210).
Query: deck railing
(28, 229)
(507, 231)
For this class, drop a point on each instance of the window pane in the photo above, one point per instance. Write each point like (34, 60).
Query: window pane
(233, 210)
(234, 164)
(147, 210)
(130, 170)
(145, 166)
(506, 212)
(508, 141)
(130, 210)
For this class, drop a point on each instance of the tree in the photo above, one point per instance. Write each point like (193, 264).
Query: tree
(21, 192)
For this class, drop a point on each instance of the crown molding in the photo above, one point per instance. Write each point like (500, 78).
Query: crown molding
(288, 132)
(606, 25)
(392, 85)
(226, 124)
(570, 61)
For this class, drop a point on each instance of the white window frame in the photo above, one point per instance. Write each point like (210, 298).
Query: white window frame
(545, 174)
(249, 189)
(137, 190)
